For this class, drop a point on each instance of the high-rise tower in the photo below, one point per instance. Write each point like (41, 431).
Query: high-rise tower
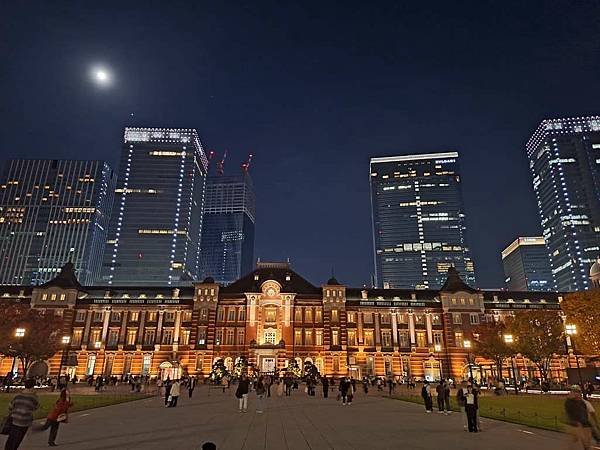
(564, 157)
(156, 224)
(526, 265)
(418, 221)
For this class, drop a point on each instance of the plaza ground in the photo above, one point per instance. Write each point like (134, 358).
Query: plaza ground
(296, 422)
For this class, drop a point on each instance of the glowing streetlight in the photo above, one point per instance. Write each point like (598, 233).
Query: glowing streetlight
(571, 330)
(66, 340)
(438, 348)
(467, 345)
(509, 340)
(20, 332)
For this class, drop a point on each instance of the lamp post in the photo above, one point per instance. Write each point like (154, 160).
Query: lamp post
(19, 333)
(438, 348)
(571, 330)
(65, 342)
(509, 340)
(467, 345)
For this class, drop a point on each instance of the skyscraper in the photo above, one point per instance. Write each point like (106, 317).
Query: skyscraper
(155, 228)
(564, 156)
(53, 212)
(527, 266)
(418, 221)
(228, 227)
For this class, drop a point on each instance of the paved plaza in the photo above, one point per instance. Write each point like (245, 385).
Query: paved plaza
(296, 422)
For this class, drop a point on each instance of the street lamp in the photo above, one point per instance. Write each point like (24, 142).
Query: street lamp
(571, 330)
(509, 340)
(438, 348)
(65, 342)
(467, 345)
(19, 333)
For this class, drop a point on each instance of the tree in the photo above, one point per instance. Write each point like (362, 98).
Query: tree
(311, 372)
(490, 343)
(39, 338)
(539, 336)
(583, 310)
(240, 367)
(219, 371)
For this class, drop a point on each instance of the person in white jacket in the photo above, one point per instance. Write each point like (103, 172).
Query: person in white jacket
(175, 391)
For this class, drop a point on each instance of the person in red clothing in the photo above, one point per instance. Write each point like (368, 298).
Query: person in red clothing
(57, 415)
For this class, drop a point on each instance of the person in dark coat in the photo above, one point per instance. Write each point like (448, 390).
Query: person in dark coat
(439, 390)
(471, 406)
(580, 427)
(426, 394)
(242, 393)
(325, 383)
(167, 385)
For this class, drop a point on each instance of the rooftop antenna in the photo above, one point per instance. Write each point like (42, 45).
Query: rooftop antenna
(246, 165)
(221, 164)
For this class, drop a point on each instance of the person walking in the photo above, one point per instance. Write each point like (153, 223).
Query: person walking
(325, 384)
(242, 393)
(471, 406)
(191, 386)
(580, 427)
(426, 394)
(461, 401)
(57, 415)
(390, 384)
(439, 390)
(447, 409)
(167, 385)
(174, 394)
(288, 385)
(345, 386)
(20, 415)
(260, 395)
(593, 419)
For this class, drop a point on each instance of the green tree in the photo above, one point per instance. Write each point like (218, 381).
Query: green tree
(583, 310)
(539, 336)
(490, 343)
(38, 338)
(241, 367)
(219, 371)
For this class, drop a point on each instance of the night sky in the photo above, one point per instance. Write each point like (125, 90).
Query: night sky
(312, 90)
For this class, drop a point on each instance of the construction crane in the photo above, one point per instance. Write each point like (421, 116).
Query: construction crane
(221, 164)
(246, 165)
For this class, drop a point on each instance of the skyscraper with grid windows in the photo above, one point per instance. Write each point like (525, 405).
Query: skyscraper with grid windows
(564, 158)
(155, 229)
(418, 221)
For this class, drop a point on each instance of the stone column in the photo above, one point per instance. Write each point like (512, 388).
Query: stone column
(159, 330)
(140, 334)
(377, 331)
(105, 327)
(395, 332)
(429, 328)
(359, 327)
(411, 328)
(123, 331)
(88, 326)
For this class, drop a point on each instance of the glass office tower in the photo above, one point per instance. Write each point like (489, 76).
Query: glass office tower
(527, 266)
(564, 157)
(154, 236)
(228, 227)
(418, 221)
(53, 212)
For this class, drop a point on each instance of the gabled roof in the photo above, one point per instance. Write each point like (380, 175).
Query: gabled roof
(250, 283)
(66, 279)
(454, 283)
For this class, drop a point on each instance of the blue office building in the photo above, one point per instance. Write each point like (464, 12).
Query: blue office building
(527, 266)
(418, 220)
(155, 230)
(564, 157)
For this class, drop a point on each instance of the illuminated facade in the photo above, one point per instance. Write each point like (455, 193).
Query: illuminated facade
(418, 221)
(154, 236)
(526, 265)
(53, 212)
(228, 228)
(270, 316)
(564, 157)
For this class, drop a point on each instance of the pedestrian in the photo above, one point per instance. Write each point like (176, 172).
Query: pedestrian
(471, 406)
(325, 384)
(461, 401)
(345, 386)
(167, 385)
(260, 395)
(439, 390)
(447, 409)
(289, 383)
(20, 415)
(390, 384)
(593, 419)
(365, 385)
(242, 393)
(174, 394)
(57, 415)
(279, 387)
(580, 427)
(268, 382)
(426, 394)
(191, 386)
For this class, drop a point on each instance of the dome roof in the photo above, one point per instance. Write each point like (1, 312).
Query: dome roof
(333, 282)
(595, 269)
(209, 280)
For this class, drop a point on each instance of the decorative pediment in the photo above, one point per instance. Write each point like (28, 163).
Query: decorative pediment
(270, 289)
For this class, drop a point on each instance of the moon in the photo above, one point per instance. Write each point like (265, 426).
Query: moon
(101, 76)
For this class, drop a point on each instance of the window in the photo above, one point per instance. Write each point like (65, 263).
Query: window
(167, 337)
(458, 339)
(98, 316)
(80, 316)
(336, 363)
(91, 363)
(335, 337)
(319, 337)
(44, 296)
(63, 297)
(76, 339)
(270, 315)
(113, 337)
(308, 315)
(308, 337)
(474, 319)
(298, 337)
(437, 338)
(298, 315)
(318, 315)
(456, 318)
(385, 318)
(334, 316)
(199, 362)
(402, 318)
(134, 316)
(241, 337)
(146, 363)
(186, 316)
(201, 335)
(367, 317)
(95, 336)
(149, 337)
(115, 316)
(184, 337)
(219, 337)
(220, 314)
(53, 297)
(419, 319)
(403, 340)
(436, 319)
(230, 336)
(131, 336)
(386, 338)
(242, 314)
(151, 316)
(369, 342)
(203, 313)
(231, 315)
(421, 339)
(351, 316)
(352, 338)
